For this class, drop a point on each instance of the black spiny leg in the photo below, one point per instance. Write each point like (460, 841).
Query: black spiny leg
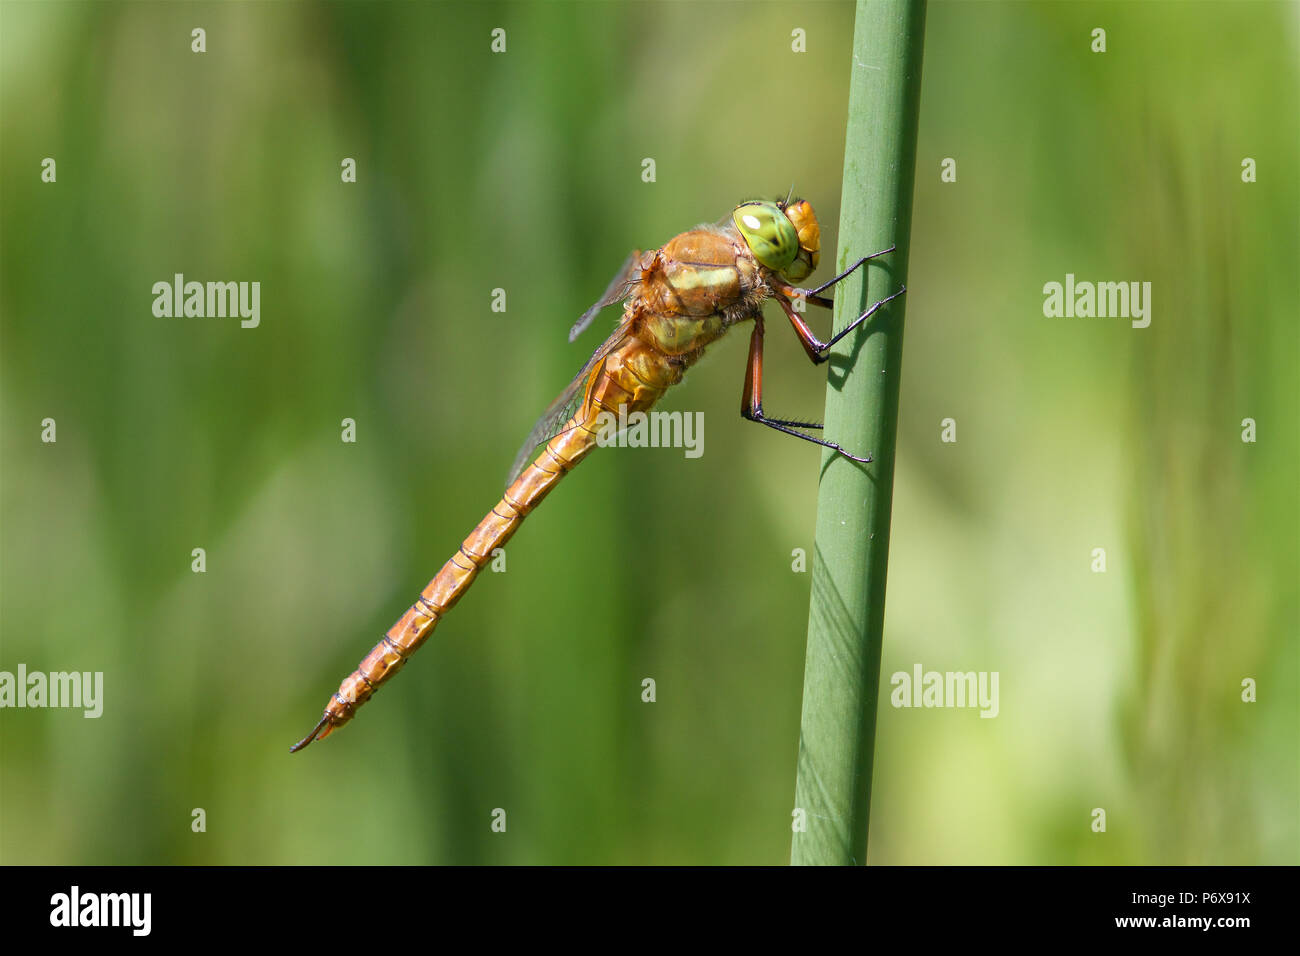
(751, 405)
(819, 351)
(811, 294)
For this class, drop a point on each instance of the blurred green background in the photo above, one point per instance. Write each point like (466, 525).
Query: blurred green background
(522, 171)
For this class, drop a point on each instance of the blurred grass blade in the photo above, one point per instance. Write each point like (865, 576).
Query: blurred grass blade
(846, 618)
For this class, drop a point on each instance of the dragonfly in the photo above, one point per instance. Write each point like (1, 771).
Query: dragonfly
(677, 300)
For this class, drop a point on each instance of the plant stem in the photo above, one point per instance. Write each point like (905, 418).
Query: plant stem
(846, 618)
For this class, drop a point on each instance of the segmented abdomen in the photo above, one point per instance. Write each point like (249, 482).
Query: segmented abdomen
(612, 384)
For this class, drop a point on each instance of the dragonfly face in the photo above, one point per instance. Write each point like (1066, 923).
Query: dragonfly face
(783, 238)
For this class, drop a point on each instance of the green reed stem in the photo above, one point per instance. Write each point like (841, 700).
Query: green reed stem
(846, 618)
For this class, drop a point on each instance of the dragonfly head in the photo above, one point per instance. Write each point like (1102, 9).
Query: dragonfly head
(801, 215)
(783, 237)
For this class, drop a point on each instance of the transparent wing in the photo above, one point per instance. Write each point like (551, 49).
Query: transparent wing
(619, 288)
(565, 405)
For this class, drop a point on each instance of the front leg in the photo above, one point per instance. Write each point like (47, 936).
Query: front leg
(819, 351)
(811, 294)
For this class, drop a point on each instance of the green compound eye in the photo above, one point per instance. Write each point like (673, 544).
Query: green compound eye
(768, 232)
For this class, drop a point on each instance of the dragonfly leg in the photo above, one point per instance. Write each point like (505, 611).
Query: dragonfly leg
(819, 351)
(810, 293)
(792, 424)
(751, 404)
